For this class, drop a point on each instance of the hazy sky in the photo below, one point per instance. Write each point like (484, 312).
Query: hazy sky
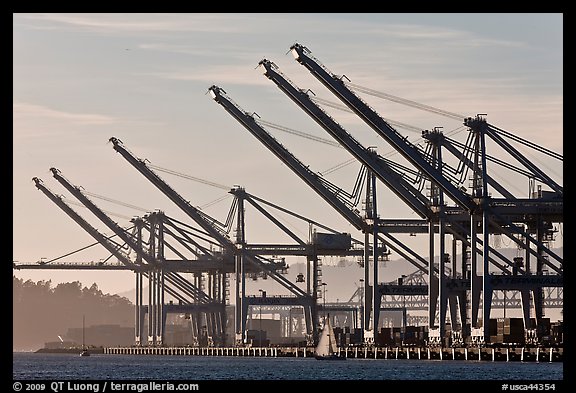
(80, 79)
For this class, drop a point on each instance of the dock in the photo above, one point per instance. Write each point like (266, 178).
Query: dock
(421, 353)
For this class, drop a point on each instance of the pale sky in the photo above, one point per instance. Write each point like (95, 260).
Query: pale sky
(80, 79)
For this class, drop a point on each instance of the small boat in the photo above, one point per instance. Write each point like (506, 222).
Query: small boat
(85, 351)
(326, 348)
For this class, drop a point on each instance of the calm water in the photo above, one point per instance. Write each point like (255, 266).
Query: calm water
(28, 366)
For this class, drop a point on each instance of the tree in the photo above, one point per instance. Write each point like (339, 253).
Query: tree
(42, 313)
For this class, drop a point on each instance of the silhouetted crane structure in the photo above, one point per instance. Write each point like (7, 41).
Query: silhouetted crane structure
(205, 259)
(149, 256)
(449, 210)
(513, 217)
(254, 254)
(475, 215)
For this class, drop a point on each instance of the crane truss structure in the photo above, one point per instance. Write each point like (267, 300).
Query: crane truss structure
(166, 248)
(469, 215)
(193, 261)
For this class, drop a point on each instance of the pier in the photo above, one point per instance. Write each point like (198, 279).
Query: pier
(393, 353)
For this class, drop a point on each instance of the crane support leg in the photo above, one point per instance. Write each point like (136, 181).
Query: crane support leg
(137, 325)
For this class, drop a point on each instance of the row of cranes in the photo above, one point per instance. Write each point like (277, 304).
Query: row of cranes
(450, 211)
(214, 256)
(474, 216)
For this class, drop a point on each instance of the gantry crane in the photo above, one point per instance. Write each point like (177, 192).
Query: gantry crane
(408, 150)
(239, 250)
(455, 286)
(157, 275)
(500, 207)
(435, 210)
(402, 188)
(141, 267)
(481, 207)
(477, 215)
(333, 195)
(397, 182)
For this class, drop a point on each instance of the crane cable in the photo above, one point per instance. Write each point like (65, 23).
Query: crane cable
(104, 198)
(298, 133)
(105, 211)
(193, 178)
(405, 101)
(451, 115)
(338, 166)
(344, 108)
(215, 201)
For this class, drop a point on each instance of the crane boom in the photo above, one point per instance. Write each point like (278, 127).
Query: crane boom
(104, 241)
(102, 216)
(153, 262)
(183, 204)
(378, 124)
(100, 238)
(405, 191)
(493, 133)
(202, 219)
(311, 179)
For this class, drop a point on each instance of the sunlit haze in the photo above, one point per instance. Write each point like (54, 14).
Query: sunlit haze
(80, 79)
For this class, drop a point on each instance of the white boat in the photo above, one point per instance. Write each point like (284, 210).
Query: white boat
(326, 348)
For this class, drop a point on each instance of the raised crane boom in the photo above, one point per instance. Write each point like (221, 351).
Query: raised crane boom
(309, 177)
(183, 204)
(201, 219)
(375, 121)
(100, 238)
(110, 246)
(409, 194)
(314, 181)
(405, 191)
(152, 261)
(103, 217)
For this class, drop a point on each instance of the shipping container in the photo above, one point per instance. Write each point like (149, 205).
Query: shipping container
(331, 241)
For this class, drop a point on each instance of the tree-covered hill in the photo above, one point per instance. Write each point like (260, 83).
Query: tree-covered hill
(42, 312)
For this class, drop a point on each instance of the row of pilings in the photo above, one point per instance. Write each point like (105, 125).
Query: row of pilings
(422, 353)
